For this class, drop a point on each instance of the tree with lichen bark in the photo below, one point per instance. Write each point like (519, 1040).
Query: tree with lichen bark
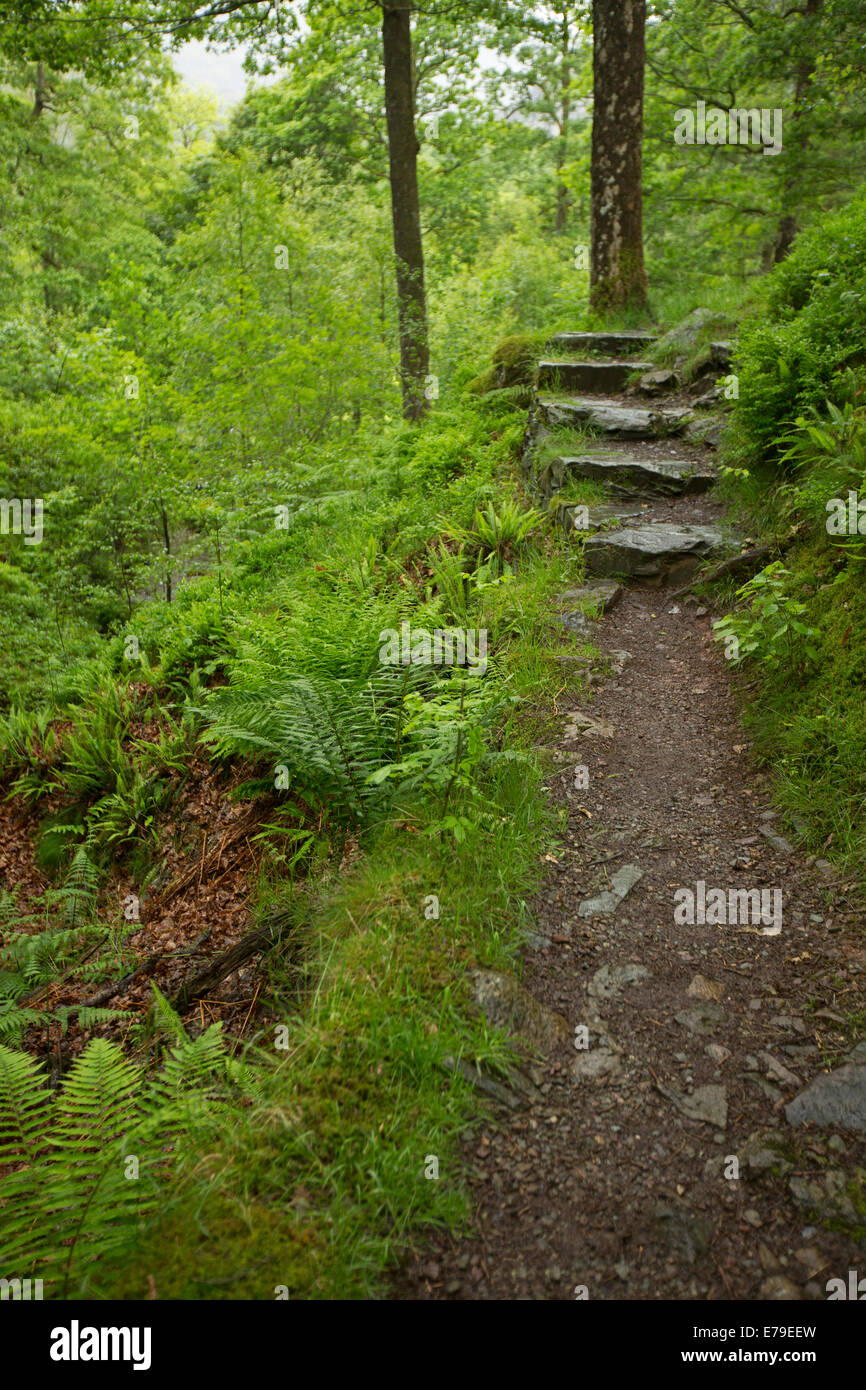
(403, 150)
(617, 274)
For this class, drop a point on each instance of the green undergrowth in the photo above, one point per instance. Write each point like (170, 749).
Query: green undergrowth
(402, 828)
(566, 442)
(808, 712)
(514, 364)
(580, 492)
(360, 1106)
(796, 473)
(805, 330)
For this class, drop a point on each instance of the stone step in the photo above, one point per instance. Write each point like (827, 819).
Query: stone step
(634, 476)
(571, 375)
(659, 550)
(597, 596)
(722, 353)
(576, 516)
(612, 344)
(610, 418)
(602, 594)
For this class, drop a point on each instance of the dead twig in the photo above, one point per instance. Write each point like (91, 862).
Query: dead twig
(203, 852)
(755, 556)
(198, 985)
(249, 1011)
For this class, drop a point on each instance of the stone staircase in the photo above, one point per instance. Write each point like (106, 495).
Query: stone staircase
(611, 418)
(576, 391)
(570, 374)
(632, 476)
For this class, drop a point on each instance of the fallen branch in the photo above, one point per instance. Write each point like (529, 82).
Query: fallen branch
(117, 986)
(253, 944)
(147, 967)
(755, 557)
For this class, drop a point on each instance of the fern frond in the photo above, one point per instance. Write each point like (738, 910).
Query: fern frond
(80, 889)
(24, 1106)
(86, 1169)
(165, 1017)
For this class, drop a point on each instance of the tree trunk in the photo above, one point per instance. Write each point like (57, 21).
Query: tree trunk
(40, 91)
(408, 250)
(617, 274)
(789, 224)
(166, 538)
(562, 198)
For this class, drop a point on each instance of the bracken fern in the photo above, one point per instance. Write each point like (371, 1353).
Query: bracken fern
(90, 1164)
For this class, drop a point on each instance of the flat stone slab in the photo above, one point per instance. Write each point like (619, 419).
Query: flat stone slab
(641, 476)
(570, 375)
(765, 1151)
(574, 620)
(574, 516)
(651, 551)
(688, 1234)
(620, 885)
(604, 515)
(610, 980)
(582, 725)
(507, 1005)
(595, 1064)
(612, 419)
(612, 344)
(826, 1196)
(707, 430)
(776, 840)
(657, 381)
(709, 1104)
(703, 1019)
(602, 594)
(836, 1099)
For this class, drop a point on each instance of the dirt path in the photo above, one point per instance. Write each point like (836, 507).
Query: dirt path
(618, 1179)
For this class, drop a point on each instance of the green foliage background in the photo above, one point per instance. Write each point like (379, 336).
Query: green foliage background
(198, 352)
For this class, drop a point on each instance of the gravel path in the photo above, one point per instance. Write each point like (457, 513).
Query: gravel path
(618, 1180)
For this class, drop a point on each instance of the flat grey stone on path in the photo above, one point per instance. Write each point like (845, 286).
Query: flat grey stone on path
(709, 1104)
(776, 840)
(827, 1195)
(569, 375)
(765, 1151)
(837, 1098)
(702, 1019)
(653, 383)
(602, 593)
(575, 516)
(613, 344)
(618, 421)
(636, 475)
(621, 883)
(581, 725)
(607, 982)
(575, 620)
(594, 1063)
(536, 942)
(649, 551)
